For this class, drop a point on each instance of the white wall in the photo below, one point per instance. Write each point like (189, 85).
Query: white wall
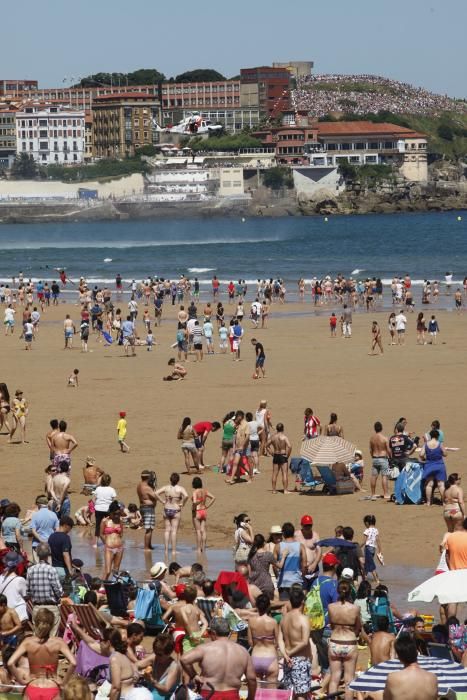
(133, 184)
(312, 179)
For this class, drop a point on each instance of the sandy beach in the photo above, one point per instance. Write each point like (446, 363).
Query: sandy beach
(305, 367)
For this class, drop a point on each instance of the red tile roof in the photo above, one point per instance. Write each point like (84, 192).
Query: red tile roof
(362, 128)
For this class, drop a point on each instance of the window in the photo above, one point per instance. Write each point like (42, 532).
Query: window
(55, 145)
(75, 156)
(43, 133)
(23, 146)
(75, 146)
(388, 145)
(31, 146)
(42, 122)
(43, 146)
(373, 145)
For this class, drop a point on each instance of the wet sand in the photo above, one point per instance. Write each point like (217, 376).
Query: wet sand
(305, 367)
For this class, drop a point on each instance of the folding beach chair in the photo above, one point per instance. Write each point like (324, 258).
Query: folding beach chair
(440, 651)
(89, 619)
(332, 485)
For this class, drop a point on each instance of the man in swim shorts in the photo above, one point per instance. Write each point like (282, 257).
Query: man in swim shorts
(223, 664)
(295, 646)
(380, 453)
(147, 505)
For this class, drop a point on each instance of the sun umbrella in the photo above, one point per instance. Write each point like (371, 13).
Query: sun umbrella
(450, 587)
(327, 450)
(449, 675)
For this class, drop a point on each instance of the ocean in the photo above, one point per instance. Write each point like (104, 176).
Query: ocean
(425, 246)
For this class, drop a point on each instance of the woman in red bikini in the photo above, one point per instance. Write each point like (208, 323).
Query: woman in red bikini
(42, 652)
(111, 535)
(201, 499)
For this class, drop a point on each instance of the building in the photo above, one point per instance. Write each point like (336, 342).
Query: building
(297, 69)
(78, 97)
(13, 88)
(201, 96)
(231, 182)
(7, 137)
(51, 134)
(88, 138)
(123, 123)
(266, 88)
(327, 144)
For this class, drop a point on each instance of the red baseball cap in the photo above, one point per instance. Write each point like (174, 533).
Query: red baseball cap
(179, 589)
(330, 559)
(122, 414)
(306, 520)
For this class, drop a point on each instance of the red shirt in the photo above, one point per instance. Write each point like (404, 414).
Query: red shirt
(312, 426)
(333, 321)
(203, 427)
(231, 287)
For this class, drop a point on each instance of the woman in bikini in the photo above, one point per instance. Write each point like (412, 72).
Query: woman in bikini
(202, 499)
(111, 531)
(42, 652)
(332, 429)
(173, 497)
(453, 502)
(263, 637)
(123, 673)
(345, 622)
(187, 435)
(4, 407)
(161, 669)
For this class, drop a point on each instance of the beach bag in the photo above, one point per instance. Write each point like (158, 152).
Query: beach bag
(314, 608)
(180, 336)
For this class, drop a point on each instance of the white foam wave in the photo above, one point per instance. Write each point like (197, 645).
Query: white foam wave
(123, 245)
(107, 260)
(201, 269)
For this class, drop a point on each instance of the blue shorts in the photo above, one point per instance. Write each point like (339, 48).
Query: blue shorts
(260, 361)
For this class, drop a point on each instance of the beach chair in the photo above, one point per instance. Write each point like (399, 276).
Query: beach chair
(332, 485)
(89, 619)
(440, 651)
(304, 476)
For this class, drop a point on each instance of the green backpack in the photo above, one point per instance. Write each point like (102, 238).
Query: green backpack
(314, 608)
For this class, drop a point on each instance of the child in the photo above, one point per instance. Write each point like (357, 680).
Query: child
(133, 517)
(356, 468)
(333, 324)
(84, 334)
(73, 379)
(433, 329)
(149, 340)
(372, 545)
(121, 431)
(83, 515)
(223, 336)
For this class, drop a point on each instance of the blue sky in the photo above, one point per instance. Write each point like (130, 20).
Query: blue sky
(418, 41)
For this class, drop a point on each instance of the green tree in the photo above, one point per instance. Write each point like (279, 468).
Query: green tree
(199, 75)
(24, 167)
(142, 76)
(145, 76)
(445, 132)
(277, 178)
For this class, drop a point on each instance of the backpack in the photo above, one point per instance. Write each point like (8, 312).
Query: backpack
(314, 608)
(349, 559)
(180, 336)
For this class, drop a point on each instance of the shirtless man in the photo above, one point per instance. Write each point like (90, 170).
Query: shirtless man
(222, 663)
(413, 683)
(182, 315)
(242, 440)
(147, 505)
(382, 642)
(62, 445)
(48, 438)
(69, 331)
(10, 625)
(92, 476)
(58, 485)
(294, 644)
(280, 448)
(380, 453)
(309, 537)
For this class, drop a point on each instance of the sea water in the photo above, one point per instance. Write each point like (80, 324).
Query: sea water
(425, 246)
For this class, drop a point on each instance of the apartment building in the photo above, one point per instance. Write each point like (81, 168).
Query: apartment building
(7, 137)
(13, 88)
(51, 134)
(123, 123)
(266, 88)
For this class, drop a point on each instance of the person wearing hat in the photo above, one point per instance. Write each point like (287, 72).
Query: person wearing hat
(309, 537)
(14, 586)
(43, 523)
(158, 572)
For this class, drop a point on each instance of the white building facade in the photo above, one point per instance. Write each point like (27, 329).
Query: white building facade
(52, 135)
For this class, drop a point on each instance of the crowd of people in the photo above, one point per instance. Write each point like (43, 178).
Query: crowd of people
(364, 94)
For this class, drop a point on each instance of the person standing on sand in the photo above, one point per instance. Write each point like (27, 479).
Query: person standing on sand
(242, 440)
(147, 505)
(280, 448)
(376, 339)
(173, 497)
(69, 330)
(294, 644)
(345, 622)
(62, 445)
(121, 432)
(401, 322)
(380, 453)
(347, 322)
(260, 359)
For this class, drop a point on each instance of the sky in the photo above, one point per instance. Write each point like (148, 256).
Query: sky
(417, 41)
